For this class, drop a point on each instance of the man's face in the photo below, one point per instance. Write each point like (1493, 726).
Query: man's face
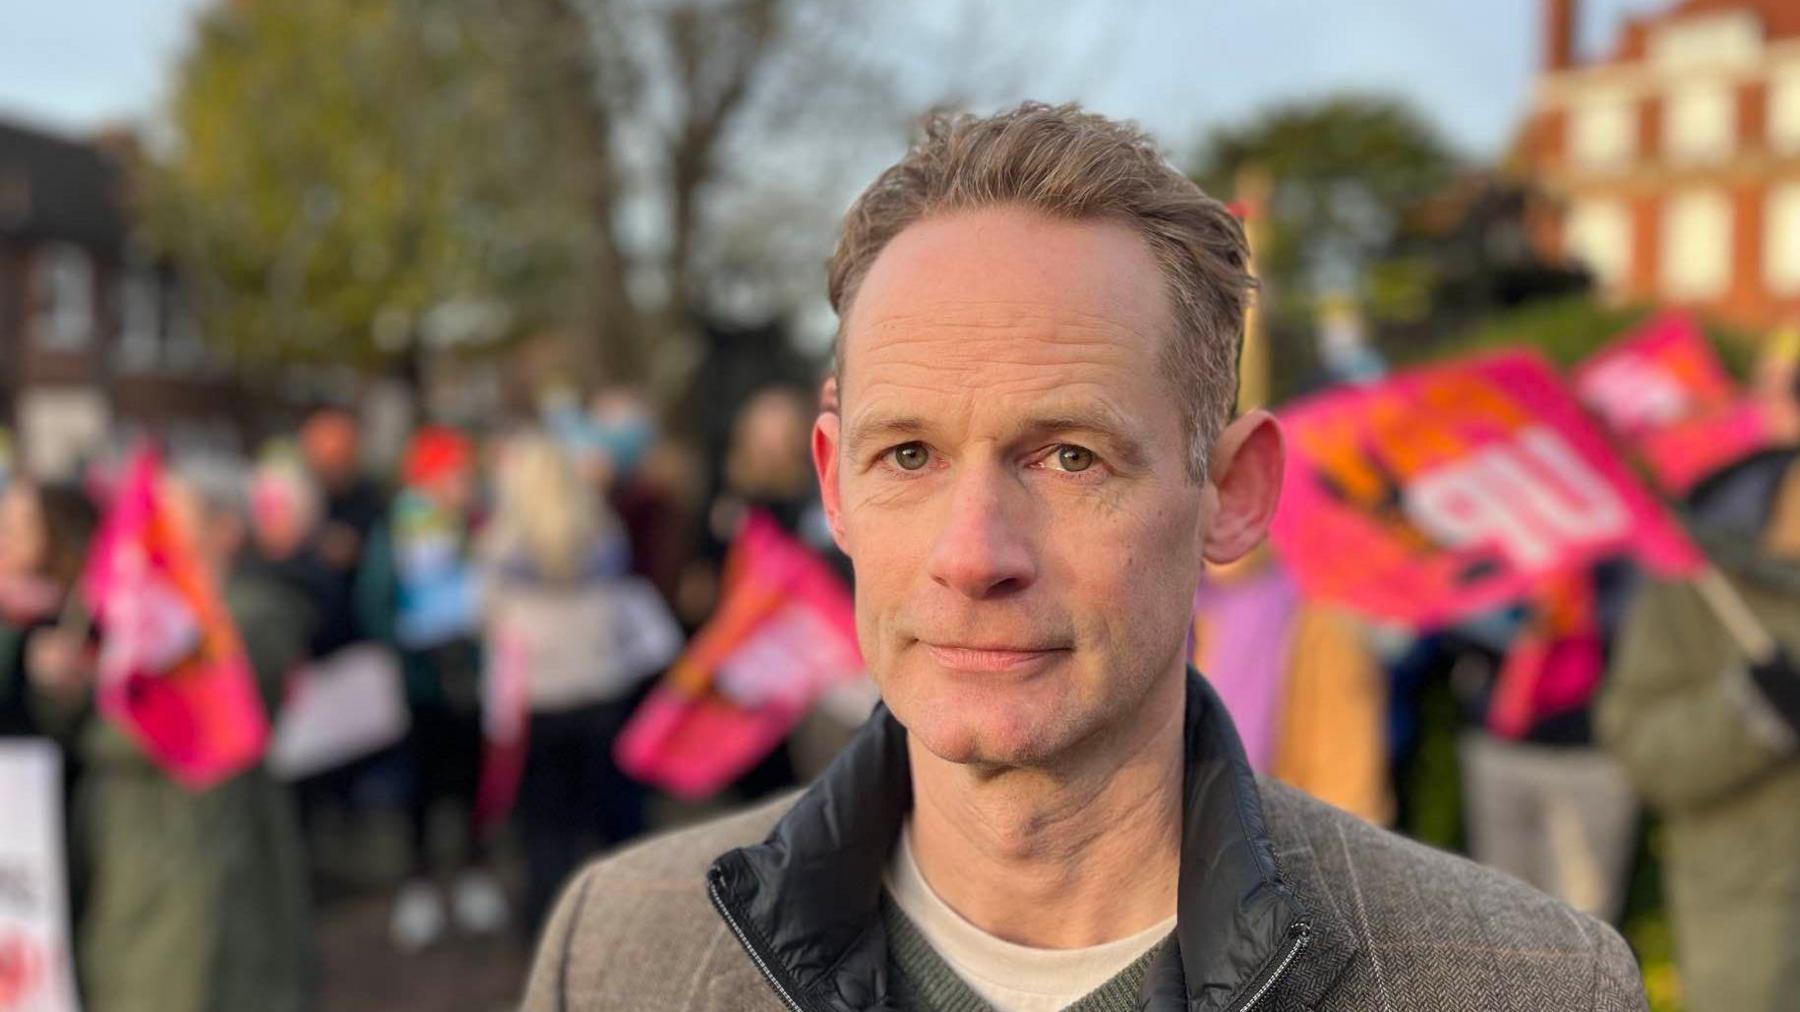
(1008, 474)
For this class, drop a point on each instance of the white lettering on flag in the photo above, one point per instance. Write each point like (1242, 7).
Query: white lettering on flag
(1533, 499)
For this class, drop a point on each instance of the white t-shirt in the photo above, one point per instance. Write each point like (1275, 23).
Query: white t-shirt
(1008, 976)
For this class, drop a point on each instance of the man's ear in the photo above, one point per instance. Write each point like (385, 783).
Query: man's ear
(825, 464)
(1245, 474)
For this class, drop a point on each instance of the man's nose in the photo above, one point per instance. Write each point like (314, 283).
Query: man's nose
(982, 550)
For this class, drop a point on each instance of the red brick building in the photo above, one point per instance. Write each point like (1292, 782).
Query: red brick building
(1672, 162)
(96, 337)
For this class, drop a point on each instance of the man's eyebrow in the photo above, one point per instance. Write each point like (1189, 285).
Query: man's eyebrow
(1127, 448)
(868, 429)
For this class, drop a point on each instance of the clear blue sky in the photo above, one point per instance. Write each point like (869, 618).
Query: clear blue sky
(1175, 65)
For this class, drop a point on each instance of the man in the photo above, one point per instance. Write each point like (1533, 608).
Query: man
(1712, 742)
(1029, 467)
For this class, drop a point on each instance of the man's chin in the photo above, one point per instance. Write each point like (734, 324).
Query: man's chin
(976, 735)
(1004, 719)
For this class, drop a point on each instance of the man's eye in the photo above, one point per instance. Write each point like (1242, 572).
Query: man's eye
(1073, 458)
(910, 456)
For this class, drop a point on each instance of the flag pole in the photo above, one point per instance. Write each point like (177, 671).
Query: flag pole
(1253, 190)
(1751, 636)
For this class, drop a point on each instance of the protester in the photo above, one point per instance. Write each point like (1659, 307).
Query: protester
(1331, 732)
(285, 517)
(1708, 736)
(353, 509)
(765, 468)
(44, 530)
(1031, 467)
(437, 631)
(197, 898)
(552, 555)
(44, 535)
(1543, 802)
(650, 488)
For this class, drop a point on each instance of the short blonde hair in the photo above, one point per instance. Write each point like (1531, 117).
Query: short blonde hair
(1071, 164)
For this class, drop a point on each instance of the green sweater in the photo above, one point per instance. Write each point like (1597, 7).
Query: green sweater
(923, 982)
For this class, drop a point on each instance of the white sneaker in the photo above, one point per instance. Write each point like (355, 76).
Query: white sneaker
(480, 903)
(418, 918)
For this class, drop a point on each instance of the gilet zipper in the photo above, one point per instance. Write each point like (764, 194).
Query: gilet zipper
(762, 963)
(1301, 934)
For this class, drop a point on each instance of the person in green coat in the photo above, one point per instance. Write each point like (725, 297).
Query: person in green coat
(198, 899)
(1712, 742)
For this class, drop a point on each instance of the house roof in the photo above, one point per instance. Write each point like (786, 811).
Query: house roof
(54, 188)
(1780, 20)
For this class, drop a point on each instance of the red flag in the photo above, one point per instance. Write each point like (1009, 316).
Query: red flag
(1555, 663)
(506, 727)
(784, 632)
(173, 672)
(1663, 394)
(1444, 491)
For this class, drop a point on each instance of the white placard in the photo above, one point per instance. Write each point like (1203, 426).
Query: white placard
(648, 635)
(350, 705)
(37, 972)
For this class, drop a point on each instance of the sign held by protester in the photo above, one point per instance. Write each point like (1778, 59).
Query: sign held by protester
(1664, 395)
(1447, 490)
(36, 971)
(173, 674)
(340, 708)
(784, 633)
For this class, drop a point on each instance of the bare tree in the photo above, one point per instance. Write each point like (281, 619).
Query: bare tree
(349, 182)
(726, 134)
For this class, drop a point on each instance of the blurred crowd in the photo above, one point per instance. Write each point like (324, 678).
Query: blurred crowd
(1540, 738)
(479, 550)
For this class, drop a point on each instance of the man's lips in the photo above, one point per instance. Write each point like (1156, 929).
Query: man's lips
(957, 657)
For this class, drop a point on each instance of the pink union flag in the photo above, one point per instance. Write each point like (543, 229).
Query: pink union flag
(173, 673)
(1662, 393)
(784, 633)
(1447, 490)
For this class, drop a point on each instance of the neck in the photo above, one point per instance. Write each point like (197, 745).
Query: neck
(1083, 853)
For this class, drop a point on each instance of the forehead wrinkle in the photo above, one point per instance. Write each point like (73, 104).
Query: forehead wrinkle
(961, 349)
(1009, 309)
(1054, 328)
(1026, 315)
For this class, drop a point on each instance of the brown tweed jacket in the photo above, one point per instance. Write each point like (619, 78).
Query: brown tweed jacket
(1428, 930)
(1384, 923)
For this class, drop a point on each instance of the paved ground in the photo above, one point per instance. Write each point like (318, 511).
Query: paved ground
(363, 973)
(358, 865)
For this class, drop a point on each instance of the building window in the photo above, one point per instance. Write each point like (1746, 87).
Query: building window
(1700, 122)
(1733, 39)
(1784, 109)
(63, 297)
(1599, 237)
(140, 312)
(1696, 245)
(1781, 239)
(1604, 129)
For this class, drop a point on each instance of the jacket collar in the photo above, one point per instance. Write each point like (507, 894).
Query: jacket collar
(806, 901)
